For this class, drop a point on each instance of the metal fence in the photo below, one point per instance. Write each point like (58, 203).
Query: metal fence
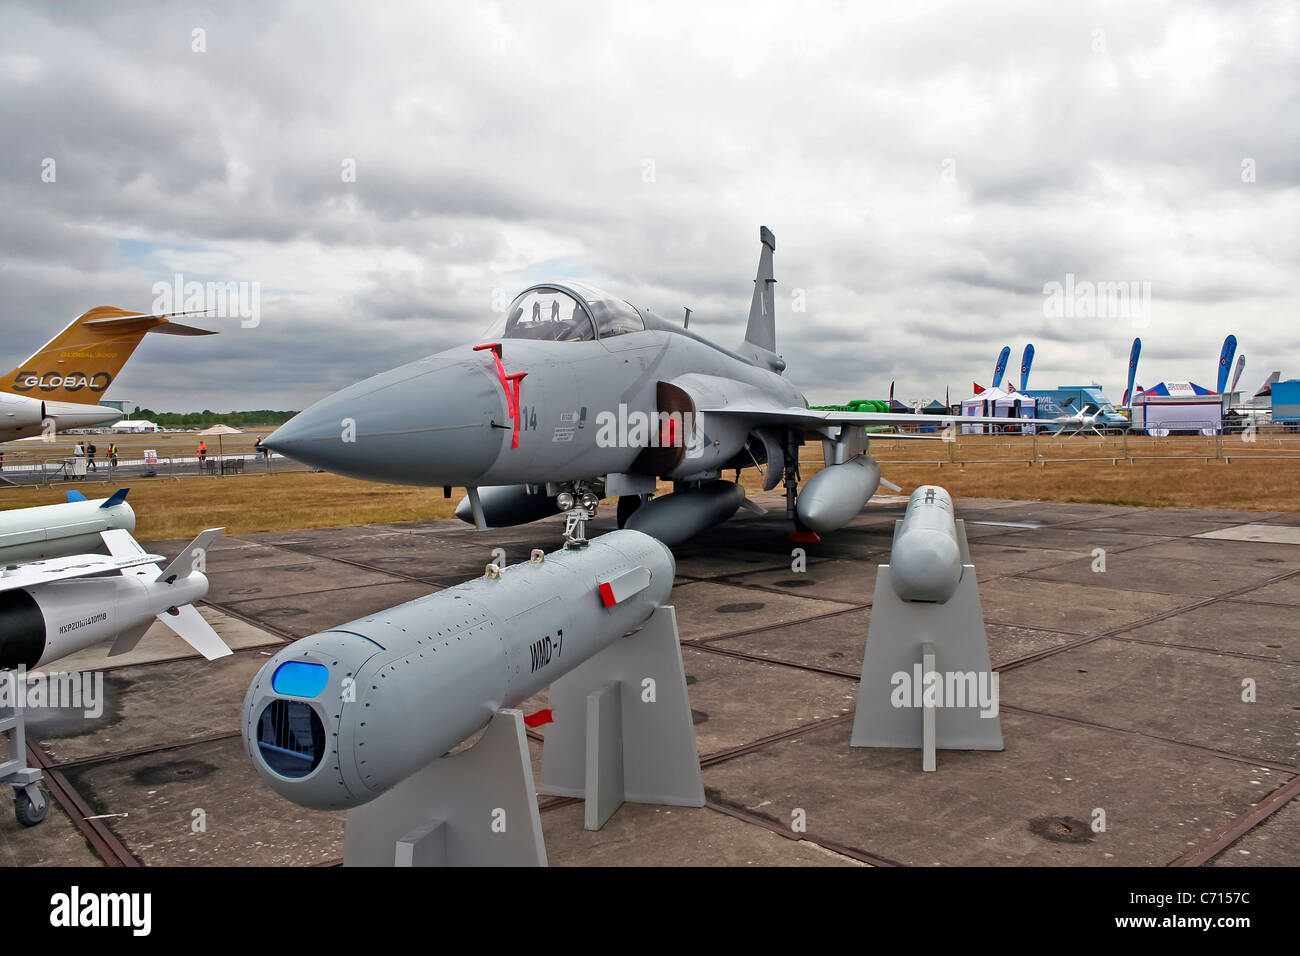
(1122, 446)
(1269, 442)
(35, 470)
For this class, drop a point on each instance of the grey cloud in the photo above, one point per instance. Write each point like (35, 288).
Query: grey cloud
(492, 139)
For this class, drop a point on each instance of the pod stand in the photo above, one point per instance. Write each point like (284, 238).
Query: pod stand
(622, 727)
(925, 670)
(474, 807)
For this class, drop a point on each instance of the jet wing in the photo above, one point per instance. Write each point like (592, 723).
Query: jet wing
(75, 566)
(714, 395)
(812, 418)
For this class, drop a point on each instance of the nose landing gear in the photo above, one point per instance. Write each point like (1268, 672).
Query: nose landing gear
(580, 500)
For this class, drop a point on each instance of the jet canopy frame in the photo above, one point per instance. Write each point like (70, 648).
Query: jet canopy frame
(568, 312)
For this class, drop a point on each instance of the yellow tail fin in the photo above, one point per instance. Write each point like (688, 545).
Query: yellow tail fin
(79, 363)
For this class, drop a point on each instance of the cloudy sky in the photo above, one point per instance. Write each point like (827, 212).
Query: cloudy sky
(388, 173)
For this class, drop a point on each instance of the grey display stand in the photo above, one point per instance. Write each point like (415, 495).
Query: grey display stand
(474, 807)
(609, 744)
(916, 638)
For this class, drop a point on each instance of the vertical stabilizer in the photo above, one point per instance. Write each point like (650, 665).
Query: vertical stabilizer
(761, 331)
(79, 363)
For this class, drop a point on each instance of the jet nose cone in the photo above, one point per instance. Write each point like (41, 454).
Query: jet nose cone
(283, 438)
(428, 423)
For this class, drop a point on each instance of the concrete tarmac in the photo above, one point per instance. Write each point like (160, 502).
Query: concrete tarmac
(1121, 692)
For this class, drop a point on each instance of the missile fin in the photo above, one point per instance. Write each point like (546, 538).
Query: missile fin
(76, 496)
(619, 589)
(189, 560)
(117, 498)
(127, 640)
(120, 544)
(190, 627)
(754, 506)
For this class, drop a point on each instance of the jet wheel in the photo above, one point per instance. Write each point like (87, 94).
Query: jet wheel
(627, 505)
(26, 811)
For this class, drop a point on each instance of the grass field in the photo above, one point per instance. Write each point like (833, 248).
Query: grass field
(982, 467)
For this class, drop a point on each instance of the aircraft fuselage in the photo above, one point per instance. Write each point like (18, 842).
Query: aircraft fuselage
(583, 410)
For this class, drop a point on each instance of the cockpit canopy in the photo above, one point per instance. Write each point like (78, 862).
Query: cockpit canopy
(565, 313)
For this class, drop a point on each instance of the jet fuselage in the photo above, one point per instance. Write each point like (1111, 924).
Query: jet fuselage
(583, 410)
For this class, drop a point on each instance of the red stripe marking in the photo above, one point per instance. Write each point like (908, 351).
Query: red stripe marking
(805, 537)
(607, 595)
(512, 395)
(539, 718)
(514, 379)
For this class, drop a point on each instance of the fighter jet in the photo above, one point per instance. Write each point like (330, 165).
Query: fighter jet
(50, 390)
(574, 395)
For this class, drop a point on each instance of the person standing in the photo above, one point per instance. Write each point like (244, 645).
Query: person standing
(90, 456)
(112, 457)
(203, 451)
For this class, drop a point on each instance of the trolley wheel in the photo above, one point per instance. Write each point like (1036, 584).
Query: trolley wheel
(26, 811)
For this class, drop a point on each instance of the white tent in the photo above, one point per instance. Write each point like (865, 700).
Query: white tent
(134, 425)
(1178, 407)
(996, 402)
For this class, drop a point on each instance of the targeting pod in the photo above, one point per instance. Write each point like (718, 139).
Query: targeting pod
(336, 719)
(925, 563)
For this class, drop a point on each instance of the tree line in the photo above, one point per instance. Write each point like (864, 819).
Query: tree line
(203, 419)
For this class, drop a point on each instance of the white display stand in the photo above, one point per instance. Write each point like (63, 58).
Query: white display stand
(623, 729)
(475, 807)
(622, 732)
(915, 639)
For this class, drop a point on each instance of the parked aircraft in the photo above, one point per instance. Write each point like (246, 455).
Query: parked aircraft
(58, 387)
(574, 395)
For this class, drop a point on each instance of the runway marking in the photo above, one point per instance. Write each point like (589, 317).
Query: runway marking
(1265, 533)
